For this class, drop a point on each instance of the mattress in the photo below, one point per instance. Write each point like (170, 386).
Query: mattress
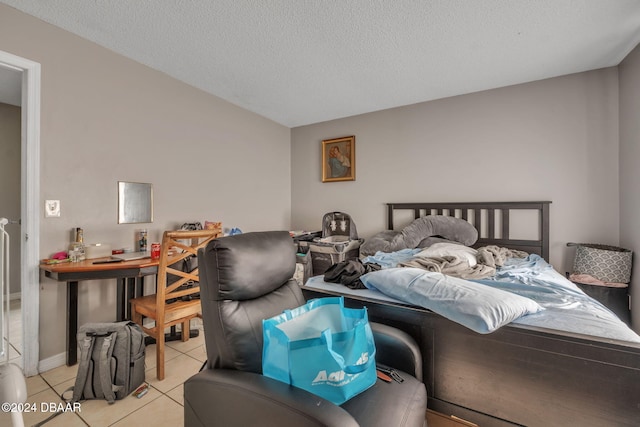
(565, 306)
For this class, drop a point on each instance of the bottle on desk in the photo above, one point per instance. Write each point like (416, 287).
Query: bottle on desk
(142, 241)
(76, 249)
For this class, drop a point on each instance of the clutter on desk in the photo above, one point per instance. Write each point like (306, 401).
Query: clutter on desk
(80, 251)
(233, 231)
(97, 250)
(155, 250)
(51, 261)
(57, 258)
(60, 255)
(191, 226)
(76, 248)
(142, 240)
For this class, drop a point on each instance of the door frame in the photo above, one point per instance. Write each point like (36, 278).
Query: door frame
(29, 202)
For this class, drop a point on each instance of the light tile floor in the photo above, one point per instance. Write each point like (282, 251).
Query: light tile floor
(161, 406)
(15, 332)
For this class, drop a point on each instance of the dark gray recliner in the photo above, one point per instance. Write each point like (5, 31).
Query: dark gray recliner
(246, 278)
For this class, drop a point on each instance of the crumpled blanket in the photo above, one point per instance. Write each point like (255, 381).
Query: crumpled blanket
(488, 257)
(451, 266)
(495, 256)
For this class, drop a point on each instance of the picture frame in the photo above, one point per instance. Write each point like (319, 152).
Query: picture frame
(339, 159)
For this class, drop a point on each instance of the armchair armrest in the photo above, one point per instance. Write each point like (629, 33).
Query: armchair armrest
(397, 349)
(244, 398)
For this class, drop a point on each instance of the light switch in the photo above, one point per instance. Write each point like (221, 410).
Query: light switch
(52, 208)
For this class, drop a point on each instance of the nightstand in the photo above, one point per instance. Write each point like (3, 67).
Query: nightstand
(615, 299)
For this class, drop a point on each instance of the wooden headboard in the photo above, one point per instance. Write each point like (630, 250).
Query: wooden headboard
(491, 219)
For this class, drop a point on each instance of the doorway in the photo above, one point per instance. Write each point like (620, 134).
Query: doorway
(10, 194)
(28, 236)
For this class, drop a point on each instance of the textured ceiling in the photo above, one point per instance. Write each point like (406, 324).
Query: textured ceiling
(305, 61)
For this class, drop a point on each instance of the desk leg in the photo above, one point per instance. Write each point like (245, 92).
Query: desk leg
(131, 293)
(72, 323)
(140, 287)
(121, 287)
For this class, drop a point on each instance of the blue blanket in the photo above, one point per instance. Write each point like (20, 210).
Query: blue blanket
(564, 306)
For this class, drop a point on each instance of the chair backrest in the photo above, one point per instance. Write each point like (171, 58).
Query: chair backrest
(180, 248)
(245, 278)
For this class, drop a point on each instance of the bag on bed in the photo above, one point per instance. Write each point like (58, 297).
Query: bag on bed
(321, 347)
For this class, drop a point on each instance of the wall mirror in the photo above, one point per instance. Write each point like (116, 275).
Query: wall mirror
(135, 202)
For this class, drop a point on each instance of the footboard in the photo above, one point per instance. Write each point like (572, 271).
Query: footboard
(517, 375)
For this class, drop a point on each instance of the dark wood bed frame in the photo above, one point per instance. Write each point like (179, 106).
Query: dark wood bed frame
(518, 375)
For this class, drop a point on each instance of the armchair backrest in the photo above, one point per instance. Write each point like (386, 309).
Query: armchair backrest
(244, 279)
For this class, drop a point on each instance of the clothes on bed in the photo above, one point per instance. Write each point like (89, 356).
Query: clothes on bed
(442, 249)
(462, 261)
(451, 266)
(497, 256)
(348, 273)
(391, 259)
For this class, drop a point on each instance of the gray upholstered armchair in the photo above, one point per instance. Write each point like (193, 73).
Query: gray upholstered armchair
(246, 278)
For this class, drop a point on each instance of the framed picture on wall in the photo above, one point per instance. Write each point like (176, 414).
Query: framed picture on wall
(339, 159)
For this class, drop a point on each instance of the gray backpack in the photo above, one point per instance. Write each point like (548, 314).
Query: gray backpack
(111, 361)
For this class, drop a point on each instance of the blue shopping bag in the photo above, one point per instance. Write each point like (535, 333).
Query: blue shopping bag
(321, 347)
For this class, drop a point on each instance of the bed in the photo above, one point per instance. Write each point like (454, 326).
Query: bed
(519, 374)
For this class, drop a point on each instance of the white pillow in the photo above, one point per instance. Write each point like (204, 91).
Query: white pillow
(476, 306)
(450, 249)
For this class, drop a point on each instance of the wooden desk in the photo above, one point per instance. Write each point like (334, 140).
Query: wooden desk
(127, 273)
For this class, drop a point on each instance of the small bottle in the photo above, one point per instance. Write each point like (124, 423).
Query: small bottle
(142, 241)
(76, 249)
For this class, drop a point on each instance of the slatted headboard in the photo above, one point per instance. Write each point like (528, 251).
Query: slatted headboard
(491, 219)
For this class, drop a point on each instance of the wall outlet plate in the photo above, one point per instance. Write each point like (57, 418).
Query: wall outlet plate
(52, 208)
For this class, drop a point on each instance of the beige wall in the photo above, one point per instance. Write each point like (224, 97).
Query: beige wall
(10, 184)
(629, 71)
(555, 139)
(105, 118)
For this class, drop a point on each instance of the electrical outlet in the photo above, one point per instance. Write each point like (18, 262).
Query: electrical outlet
(52, 208)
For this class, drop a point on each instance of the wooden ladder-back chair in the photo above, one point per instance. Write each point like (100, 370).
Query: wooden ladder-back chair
(175, 301)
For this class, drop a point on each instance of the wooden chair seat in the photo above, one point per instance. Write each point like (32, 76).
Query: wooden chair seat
(176, 300)
(174, 311)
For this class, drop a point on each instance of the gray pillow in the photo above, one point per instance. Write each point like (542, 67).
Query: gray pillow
(416, 234)
(447, 227)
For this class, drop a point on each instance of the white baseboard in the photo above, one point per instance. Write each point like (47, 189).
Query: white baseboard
(52, 362)
(15, 295)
